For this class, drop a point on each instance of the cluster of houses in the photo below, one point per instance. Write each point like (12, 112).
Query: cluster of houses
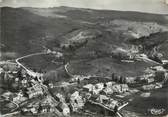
(25, 92)
(34, 91)
(14, 97)
(43, 106)
(106, 88)
(91, 89)
(98, 94)
(76, 101)
(48, 105)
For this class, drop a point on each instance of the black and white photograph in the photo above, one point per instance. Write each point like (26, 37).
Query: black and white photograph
(83, 58)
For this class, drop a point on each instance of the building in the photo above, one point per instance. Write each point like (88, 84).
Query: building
(76, 101)
(63, 107)
(108, 90)
(34, 91)
(130, 80)
(18, 98)
(97, 88)
(102, 98)
(88, 87)
(109, 84)
(1, 70)
(60, 97)
(7, 95)
(113, 103)
(24, 83)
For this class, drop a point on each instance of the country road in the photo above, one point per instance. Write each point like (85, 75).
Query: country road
(34, 74)
(10, 114)
(66, 69)
(30, 72)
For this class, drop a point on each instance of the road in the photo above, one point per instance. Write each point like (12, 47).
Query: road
(10, 114)
(4, 62)
(119, 108)
(30, 72)
(34, 74)
(66, 69)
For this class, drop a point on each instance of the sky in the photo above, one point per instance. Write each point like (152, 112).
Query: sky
(150, 6)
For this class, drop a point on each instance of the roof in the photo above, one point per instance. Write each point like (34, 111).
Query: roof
(88, 86)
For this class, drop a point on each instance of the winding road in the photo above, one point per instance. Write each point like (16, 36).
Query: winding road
(34, 74)
(30, 72)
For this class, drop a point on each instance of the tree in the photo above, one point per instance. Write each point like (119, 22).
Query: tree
(78, 81)
(19, 74)
(115, 109)
(112, 76)
(40, 108)
(105, 85)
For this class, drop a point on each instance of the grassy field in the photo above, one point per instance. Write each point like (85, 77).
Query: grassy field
(107, 66)
(43, 62)
(158, 100)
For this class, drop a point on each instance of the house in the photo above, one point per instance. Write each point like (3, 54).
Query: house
(102, 99)
(16, 80)
(63, 107)
(152, 86)
(60, 96)
(33, 110)
(35, 90)
(109, 84)
(24, 83)
(51, 85)
(158, 68)
(124, 88)
(1, 70)
(120, 88)
(88, 87)
(18, 98)
(76, 101)
(45, 108)
(130, 80)
(59, 54)
(113, 103)
(150, 80)
(98, 87)
(7, 95)
(108, 90)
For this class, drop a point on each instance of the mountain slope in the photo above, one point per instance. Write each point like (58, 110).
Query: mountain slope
(82, 34)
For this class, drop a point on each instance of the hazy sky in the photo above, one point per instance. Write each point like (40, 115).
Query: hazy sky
(152, 6)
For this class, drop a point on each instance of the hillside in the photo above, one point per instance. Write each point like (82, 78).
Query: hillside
(81, 34)
(26, 30)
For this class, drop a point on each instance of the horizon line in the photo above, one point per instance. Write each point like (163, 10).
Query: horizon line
(98, 9)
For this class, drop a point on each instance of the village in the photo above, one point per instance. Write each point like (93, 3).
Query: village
(30, 94)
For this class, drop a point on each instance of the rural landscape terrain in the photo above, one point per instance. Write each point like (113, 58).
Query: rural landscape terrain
(76, 62)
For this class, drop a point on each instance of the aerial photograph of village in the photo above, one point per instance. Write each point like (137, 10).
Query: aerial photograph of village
(67, 61)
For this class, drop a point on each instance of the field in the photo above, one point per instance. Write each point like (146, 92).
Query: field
(141, 105)
(41, 62)
(107, 66)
